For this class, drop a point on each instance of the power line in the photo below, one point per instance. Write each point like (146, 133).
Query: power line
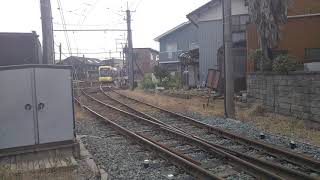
(107, 52)
(88, 30)
(138, 5)
(92, 8)
(85, 25)
(75, 41)
(64, 27)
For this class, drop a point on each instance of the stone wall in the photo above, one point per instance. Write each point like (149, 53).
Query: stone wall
(296, 94)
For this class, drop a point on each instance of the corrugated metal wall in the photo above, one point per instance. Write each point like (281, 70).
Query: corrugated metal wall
(209, 36)
(210, 40)
(183, 37)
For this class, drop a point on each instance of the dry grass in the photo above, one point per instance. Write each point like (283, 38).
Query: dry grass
(195, 104)
(269, 122)
(80, 113)
(6, 174)
(283, 125)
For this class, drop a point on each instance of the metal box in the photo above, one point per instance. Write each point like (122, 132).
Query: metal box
(20, 48)
(36, 105)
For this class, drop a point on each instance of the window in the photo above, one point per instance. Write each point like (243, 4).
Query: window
(239, 23)
(171, 48)
(238, 37)
(193, 46)
(312, 53)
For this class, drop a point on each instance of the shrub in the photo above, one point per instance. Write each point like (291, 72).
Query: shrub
(147, 82)
(260, 62)
(284, 64)
(161, 73)
(171, 82)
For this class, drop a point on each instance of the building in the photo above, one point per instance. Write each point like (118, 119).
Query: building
(182, 38)
(204, 31)
(114, 62)
(144, 59)
(83, 68)
(300, 36)
(20, 48)
(175, 45)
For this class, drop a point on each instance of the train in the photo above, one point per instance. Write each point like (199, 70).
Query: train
(107, 74)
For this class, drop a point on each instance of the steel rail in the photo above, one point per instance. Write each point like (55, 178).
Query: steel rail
(273, 167)
(288, 155)
(244, 165)
(188, 166)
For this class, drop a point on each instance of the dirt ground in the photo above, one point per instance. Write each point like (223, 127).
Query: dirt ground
(269, 122)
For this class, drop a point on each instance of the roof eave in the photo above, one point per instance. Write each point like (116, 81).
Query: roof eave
(171, 31)
(198, 11)
(192, 20)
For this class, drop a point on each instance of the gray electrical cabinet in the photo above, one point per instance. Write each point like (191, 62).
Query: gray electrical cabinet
(36, 105)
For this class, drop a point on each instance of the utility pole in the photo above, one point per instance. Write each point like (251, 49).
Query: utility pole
(130, 51)
(229, 79)
(47, 32)
(60, 52)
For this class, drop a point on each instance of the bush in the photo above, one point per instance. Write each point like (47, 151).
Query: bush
(170, 82)
(161, 73)
(284, 64)
(147, 82)
(260, 60)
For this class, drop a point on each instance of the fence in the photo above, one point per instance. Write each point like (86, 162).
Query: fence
(296, 94)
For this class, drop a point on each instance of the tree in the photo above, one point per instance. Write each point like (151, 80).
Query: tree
(160, 72)
(268, 16)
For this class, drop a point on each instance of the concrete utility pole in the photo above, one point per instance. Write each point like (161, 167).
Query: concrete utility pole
(130, 51)
(229, 79)
(47, 32)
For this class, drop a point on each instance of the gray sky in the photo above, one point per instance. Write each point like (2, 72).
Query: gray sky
(152, 18)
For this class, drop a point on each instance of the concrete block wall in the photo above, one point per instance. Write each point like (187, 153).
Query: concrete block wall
(296, 94)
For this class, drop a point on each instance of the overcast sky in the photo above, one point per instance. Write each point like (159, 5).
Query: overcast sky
(152, 18)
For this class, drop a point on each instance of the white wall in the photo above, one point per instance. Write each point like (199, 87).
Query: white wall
(215, 13)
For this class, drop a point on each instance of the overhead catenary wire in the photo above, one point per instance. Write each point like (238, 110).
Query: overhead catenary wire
(106, 52)
(64, 27)
(135, 9)
(85, 25)
(88, 12)
(76, 26)
(87, 30)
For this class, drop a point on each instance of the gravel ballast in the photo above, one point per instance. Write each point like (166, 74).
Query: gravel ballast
(119, 156)
(248, 129)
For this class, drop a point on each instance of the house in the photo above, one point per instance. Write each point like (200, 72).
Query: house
(117, 63)
(300, 36)
(204, 31)
(83, 68)
(20, 48)
(175, 41)
(178, 42)
(144, 59)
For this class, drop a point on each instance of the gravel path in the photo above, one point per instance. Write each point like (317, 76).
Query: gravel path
(250, 130)
(120, 157)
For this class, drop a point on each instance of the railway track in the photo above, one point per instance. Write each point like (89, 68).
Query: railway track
(284, 163)
(200, 159)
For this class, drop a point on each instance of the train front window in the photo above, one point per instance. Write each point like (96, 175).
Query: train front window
(105, 72)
